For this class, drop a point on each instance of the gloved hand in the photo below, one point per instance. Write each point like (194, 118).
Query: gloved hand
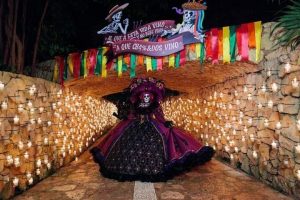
(168, 124)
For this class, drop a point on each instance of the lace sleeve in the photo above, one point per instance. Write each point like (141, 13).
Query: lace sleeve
(159, 115)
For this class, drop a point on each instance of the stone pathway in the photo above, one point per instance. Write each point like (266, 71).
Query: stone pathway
(213, 181)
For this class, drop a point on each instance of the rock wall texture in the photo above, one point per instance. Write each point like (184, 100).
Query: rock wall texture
(42, 128)
(252, 121)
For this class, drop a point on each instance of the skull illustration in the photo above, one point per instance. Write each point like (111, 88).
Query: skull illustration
(117, 17)
(189, 16)
(146, 97)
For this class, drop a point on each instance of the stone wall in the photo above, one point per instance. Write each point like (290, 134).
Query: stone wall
(252, 121)
(42, 128)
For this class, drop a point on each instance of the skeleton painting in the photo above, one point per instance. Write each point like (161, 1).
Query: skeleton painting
(115, 17)
(193, 16)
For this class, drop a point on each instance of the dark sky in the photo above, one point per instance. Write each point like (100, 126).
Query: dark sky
(220, 13)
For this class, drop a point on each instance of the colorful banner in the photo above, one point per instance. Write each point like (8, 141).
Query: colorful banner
(147, 30)
(223, 44)
(154, 49)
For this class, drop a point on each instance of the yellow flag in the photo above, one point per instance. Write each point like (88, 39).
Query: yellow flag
(198, 50)
(171, 60)
(258, 30)
(104, 61)
(226, 44)
(148, 63)
(119, 66)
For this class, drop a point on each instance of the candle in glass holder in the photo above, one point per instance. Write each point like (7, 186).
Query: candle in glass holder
(295, 83)
(4, 105)
(1, 86)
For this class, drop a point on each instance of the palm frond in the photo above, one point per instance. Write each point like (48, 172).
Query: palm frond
(287, 28)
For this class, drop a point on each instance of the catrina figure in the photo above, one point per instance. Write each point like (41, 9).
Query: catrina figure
(144, 145)
(114, 17)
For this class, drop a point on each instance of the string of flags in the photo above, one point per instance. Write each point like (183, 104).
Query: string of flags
(224, 45)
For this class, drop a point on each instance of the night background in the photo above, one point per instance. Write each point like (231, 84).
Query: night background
(70, 25)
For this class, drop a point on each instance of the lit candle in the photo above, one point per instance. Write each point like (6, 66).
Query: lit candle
(41, 109)
(298, 174)
(278, 125)
(29, 104)
(20, 145)
(1, 86)
(17, 161)
(264, 88)
(269, 73)
(9, 159)
(16, 119)
(15, 181)
(274, 87)
(295, 83)
(254, 154)
(38, 171)
(274, 144)
(287, 67)
(20, 108)
(26, 155)
(38, 163)
(270, 104)
(30, 181)
(29, 144)
(4, 105)
(297, 148)
(298, 124)
(236, 149)
(266, 122)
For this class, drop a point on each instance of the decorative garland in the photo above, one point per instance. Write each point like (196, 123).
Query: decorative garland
(221, 45)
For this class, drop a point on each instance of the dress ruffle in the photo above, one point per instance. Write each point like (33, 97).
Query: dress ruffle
(174, 168)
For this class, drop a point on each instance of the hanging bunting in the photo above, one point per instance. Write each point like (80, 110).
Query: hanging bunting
(76, 64)
(91, 61)
(220, 44)
(154, 63)
(132, 65)
(98, 68)
(177, 60)
(183, 56)
(160, 62)
(66, 68)
(226, 45)
(119, 65)
(208, 45)
(242, 42)
(214, 45)
(258, 32)
(172, 60)
(202, 55)
(140, 60)
(198, 50)
(61, 63)
(251, 31)
(56, 70)
(70, 61)
(232, 39)
(104, 63)
(148, 63)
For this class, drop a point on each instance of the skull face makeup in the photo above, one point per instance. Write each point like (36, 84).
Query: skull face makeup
(146, 97)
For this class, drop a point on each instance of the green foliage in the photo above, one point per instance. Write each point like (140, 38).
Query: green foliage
(287, 29)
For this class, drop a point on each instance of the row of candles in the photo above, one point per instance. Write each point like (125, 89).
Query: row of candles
(71, 124)
(223, 124)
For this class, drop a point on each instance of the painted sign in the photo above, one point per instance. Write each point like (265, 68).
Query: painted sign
(154, 49)
(145, 31)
